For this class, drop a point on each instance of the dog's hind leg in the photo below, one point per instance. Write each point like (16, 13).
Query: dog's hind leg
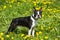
(12, 27)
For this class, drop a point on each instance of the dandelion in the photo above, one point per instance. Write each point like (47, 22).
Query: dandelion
(41, 39)
(46, 37)
(1, 33)
(59, 17)
(10, 5)
(37, 8)
(32, 39)
(22, 35)
(2, 38)
(40, 32)
(4, 6)
(34, 2)
(12, 1)
(18, 3)
(49, 9)
(37, 33)
(7, 36)
(56, 38)
(12, 38)
(42, 15)
(26, 37)
(54, 11)
(44, 2)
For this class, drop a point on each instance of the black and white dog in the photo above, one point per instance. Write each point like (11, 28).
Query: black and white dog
(28, 21)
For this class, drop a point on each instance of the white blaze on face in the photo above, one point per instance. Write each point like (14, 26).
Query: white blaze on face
(38, 15)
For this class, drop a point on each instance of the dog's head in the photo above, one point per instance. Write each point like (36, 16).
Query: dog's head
(37, 13)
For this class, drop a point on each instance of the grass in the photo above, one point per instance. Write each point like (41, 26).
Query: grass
(47, 28)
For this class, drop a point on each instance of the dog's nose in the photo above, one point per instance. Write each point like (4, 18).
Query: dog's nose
(38, 16)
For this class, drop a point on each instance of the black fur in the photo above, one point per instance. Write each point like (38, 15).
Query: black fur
(21, 21)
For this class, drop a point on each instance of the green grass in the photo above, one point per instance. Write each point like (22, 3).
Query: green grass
(47, 28)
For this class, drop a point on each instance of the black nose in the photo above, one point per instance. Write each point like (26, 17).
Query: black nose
(38, 16)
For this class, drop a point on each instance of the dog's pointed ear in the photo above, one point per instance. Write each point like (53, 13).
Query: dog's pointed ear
(34, 8)
(41, 9)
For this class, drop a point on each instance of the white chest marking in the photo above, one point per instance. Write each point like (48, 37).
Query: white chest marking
(32, 26)
(33, 22)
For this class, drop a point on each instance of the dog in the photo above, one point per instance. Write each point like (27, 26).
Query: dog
(29, 22)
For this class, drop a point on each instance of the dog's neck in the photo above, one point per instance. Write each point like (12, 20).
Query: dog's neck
(33, 17)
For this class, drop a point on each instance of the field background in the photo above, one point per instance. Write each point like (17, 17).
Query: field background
(47, 28)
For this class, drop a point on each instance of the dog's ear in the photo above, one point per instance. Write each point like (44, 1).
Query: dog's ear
(34, 8)
(41, 9)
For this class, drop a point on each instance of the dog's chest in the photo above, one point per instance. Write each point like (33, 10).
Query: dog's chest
(33, 22)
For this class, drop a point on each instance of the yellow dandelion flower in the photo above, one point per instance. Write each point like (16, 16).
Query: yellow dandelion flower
(22, 35)
(37, 33)
(10, 5)
(12, 38)
(40, 32)
(26, 37)
(42, 15)
(1, 33)
(56, 38)
(32, 39)
(18, 3)
(59, 17)
(4, 6)
(49, 9)
(46, 37)
(41, 39)
(34, 2)
(37, 8)
(12, 1)
(54, 11)
(44, 2)
(2, 38)
(7, 36)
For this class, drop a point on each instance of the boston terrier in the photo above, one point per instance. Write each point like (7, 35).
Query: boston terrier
(29, 22)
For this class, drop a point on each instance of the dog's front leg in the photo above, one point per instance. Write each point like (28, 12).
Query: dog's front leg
(29, 32)
(33, 31)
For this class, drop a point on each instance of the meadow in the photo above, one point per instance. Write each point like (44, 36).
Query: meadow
(47, 28)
